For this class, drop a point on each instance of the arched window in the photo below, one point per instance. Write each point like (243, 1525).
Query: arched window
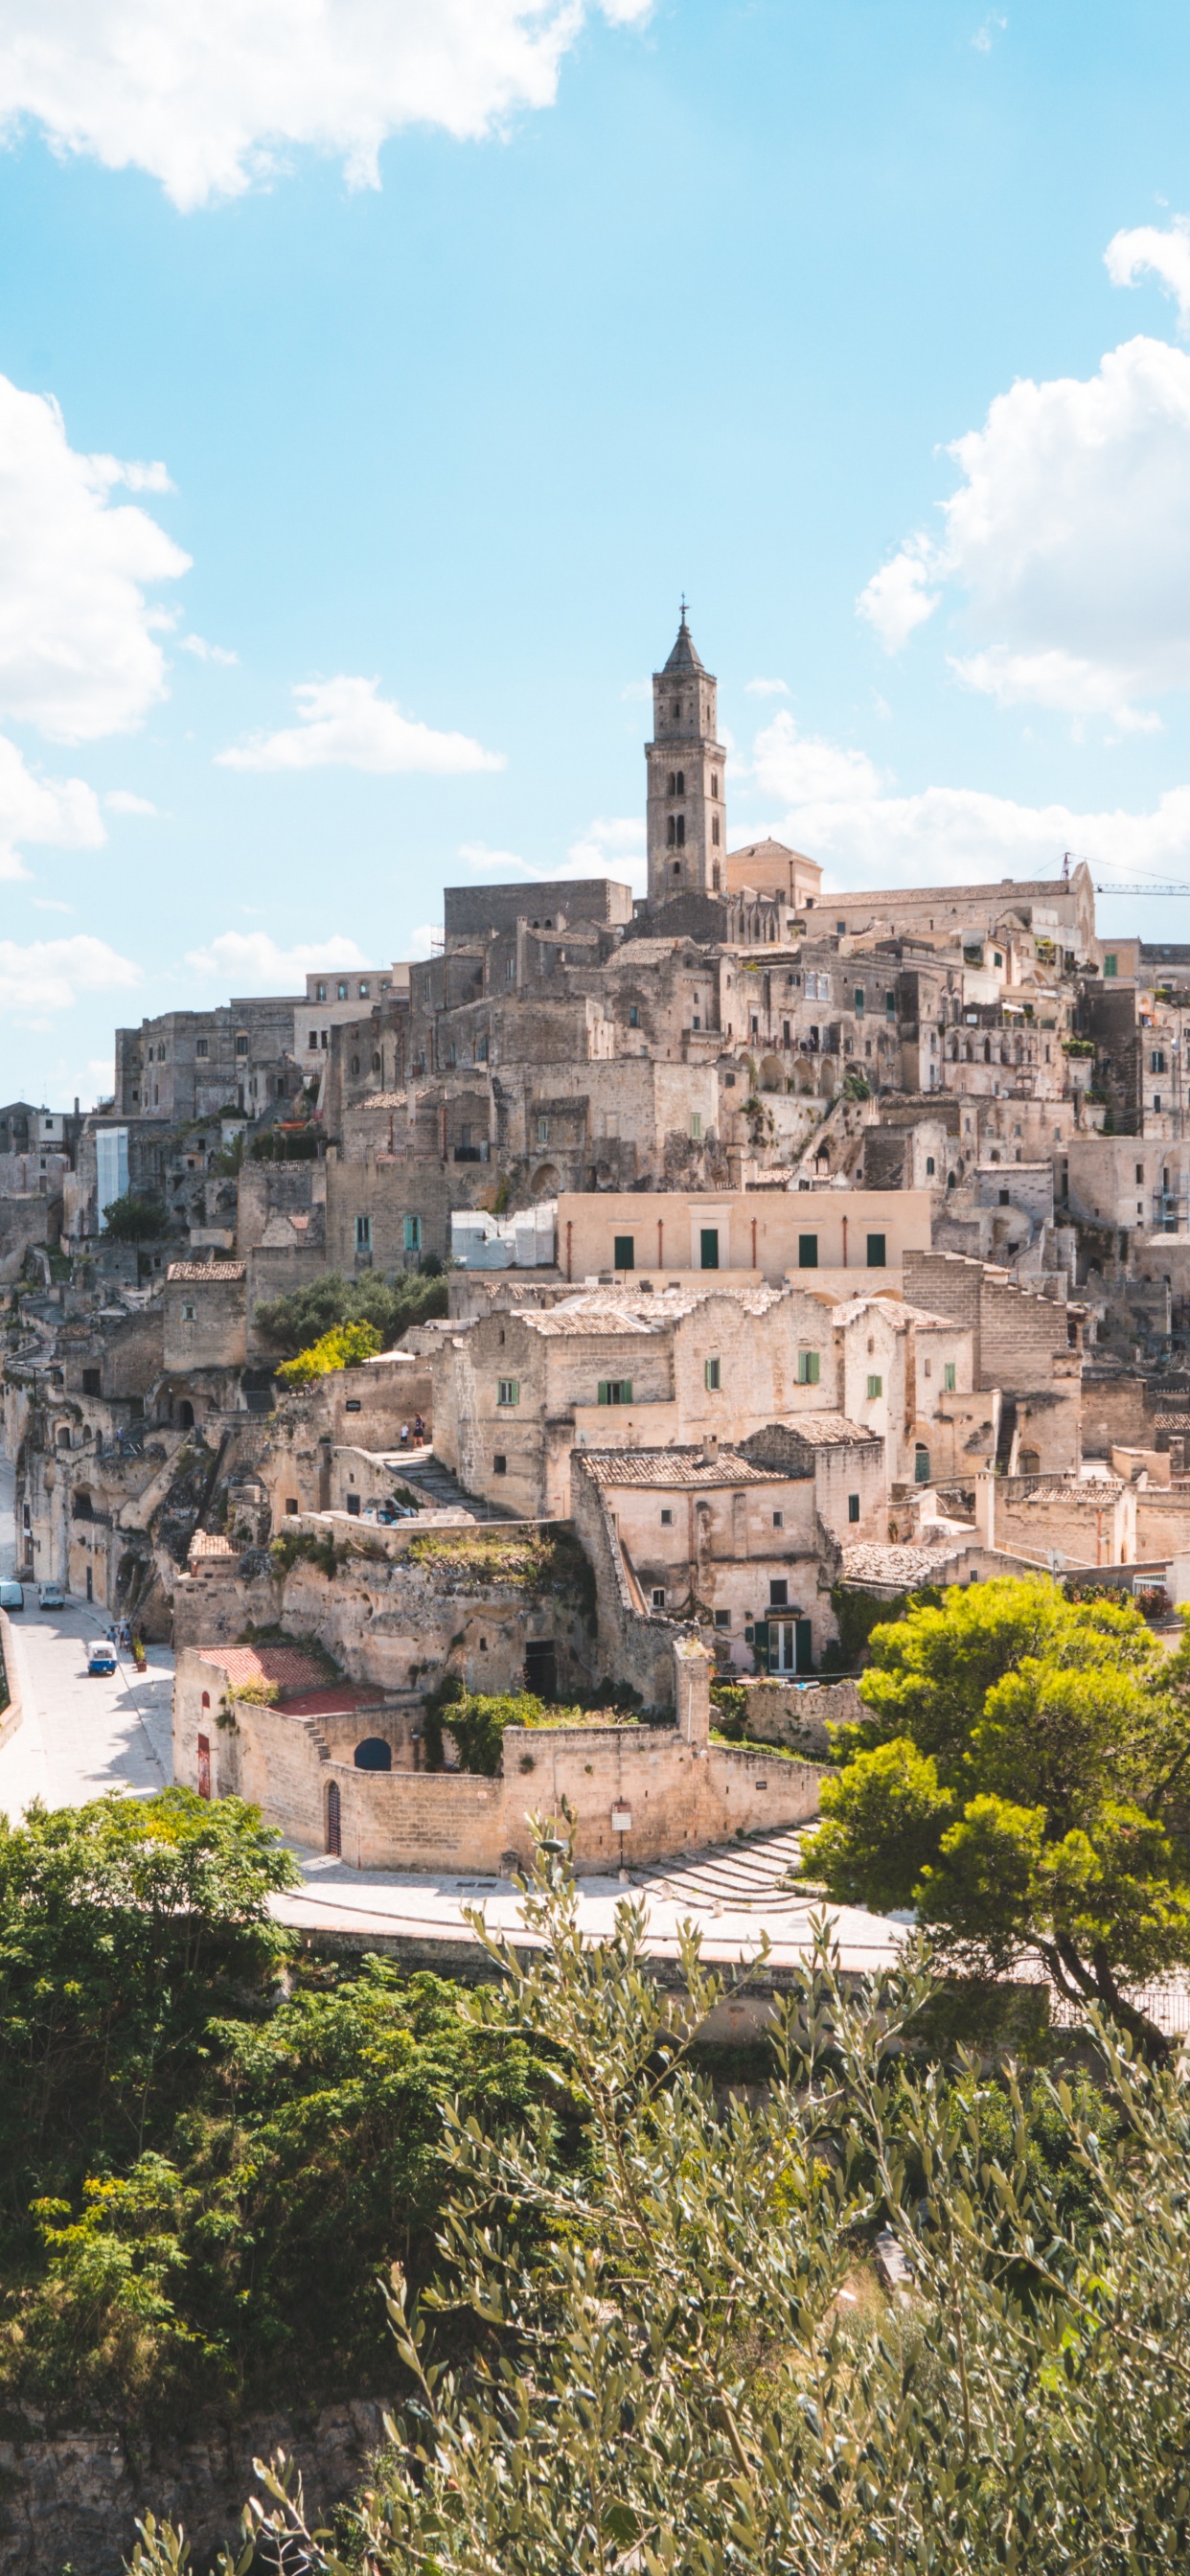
(921, 1463)
(376, 1063)
(677, 867)
(681, 831)
(373, 1754)
(671, 832)
(987, 1050)
(681, 785)
(80, 1508)
(671, 785)
(355, 1064)
(334, 1819)
(715, 830)
(186, 1414)
(715, 876)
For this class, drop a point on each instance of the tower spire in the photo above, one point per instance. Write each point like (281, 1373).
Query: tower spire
(687, 824)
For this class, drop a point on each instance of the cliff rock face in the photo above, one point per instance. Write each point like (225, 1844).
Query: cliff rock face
(72, 2499)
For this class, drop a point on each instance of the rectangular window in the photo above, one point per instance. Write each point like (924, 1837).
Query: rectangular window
(313, 1038)
(1156, 1061)
(807, 1252)
(499, 1464)
(509, 973)
(1111, 965)
(929, 1167)
(615, 1390)
(1140, 1171)
(875, 1388)
(353, 1405)
(723, 1618)
(658, 1596)
(92, 1381)
(853, 1507)
(709, 1247)
(508, 1390)
(696, 1125)
(187, 1314)
(292, 1507)
(876, 1252)
(807, 1368)
(890, 1004)
(413, 1234)
(779, 1593)
(667, 1520)
(859, 1000)
(948, 1376)
(202, 1046)
(624, 1252)
(241, 1045)
(633, 1016)
(353, 1504)
(778, 1520)
(712, 1373)
(363, 1234)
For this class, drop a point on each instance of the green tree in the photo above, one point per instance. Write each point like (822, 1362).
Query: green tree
(1018, 1778)
(296, 1322)
(135, 1220)
(679, 2363)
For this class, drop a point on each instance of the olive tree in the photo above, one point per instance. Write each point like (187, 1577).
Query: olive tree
(675, 2361)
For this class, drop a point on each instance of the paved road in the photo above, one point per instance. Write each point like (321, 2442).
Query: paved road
(82, 1734)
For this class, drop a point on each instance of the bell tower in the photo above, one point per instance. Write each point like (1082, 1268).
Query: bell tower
(687, 817)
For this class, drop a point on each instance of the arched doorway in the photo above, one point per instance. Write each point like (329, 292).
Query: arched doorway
(921, 1463)
(334, 1819)
(373, 1755)
(186, 1414)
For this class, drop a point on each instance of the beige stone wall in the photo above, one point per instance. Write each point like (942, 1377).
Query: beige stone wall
(679, 1792)
(757, 1230)
(205, 1319)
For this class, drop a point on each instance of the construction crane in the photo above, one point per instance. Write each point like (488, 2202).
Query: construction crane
(1133, 885)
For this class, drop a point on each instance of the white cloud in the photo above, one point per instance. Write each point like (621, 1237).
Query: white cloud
(804, 770)
(79, 649)
(248, 961)
(207, 95)
(899, 597)
(425, 940)
(49, 974)
(1070, 536)
(204, 652)
(478, 855)
(767, 688)
(345, 724)
(49, 903)
(120, 800)
(611, 846)
(63, 812)
(985, 36)
(843, 814)
(1147, 250)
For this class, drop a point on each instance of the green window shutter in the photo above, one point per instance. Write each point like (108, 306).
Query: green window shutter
(712, 1374)
(807, 1368)
(709, 1247)
(807, 1252)
(948, 1377)
(508, 1391)
(875, 1387)
(877, 1256)
(624, 1252)
(605, 1393)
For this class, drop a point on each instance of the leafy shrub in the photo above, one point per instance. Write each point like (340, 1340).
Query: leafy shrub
(295, 1323)
(346, 1346)
(135, 1220)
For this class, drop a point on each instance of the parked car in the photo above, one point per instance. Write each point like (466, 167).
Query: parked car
(101, 1656)
(50, 1596)
(11, 1596)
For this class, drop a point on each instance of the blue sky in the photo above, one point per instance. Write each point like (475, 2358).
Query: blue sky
(444, 371)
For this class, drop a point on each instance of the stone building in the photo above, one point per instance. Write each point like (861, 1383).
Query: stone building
(314, 1763)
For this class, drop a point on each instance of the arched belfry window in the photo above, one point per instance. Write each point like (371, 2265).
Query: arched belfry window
(681, 786)
(671, 831)
(681, 833)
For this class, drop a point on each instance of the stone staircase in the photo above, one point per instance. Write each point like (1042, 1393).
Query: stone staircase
(734, 1878)
(425, 1475)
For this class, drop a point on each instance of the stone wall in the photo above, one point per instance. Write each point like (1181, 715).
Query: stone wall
(676, 1791)
(71, 2499)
